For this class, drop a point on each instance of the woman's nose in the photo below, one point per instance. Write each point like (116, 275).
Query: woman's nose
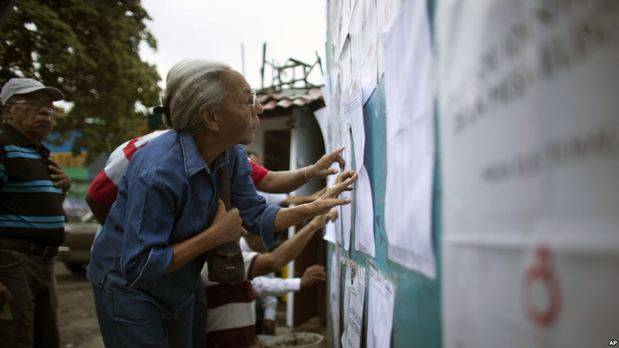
(259, 108)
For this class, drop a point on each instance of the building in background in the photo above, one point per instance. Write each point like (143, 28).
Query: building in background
(288, 138)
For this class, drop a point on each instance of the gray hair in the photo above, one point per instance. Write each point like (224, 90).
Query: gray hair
(190, 84)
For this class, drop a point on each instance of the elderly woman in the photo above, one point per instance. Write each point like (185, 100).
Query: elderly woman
(146, 262)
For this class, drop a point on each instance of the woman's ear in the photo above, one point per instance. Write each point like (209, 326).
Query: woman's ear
(209, 118)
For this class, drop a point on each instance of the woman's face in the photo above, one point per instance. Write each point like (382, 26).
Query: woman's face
(238, 119)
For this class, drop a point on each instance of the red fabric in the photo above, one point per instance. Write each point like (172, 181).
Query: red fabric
(238, 337)
(223, 294)
(102, 190)
(258, 172)
(130, 149)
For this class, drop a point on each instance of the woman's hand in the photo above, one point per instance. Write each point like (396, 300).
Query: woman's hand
(321, 220)
(227, 224)
(314, 196)
(329, 198)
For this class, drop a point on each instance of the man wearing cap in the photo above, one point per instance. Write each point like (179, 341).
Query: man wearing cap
(32, 189)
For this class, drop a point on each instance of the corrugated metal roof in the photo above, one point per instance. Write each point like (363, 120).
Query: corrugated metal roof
(277, 103)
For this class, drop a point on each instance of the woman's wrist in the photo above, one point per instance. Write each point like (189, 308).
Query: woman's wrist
(210, 237)
(308, 172)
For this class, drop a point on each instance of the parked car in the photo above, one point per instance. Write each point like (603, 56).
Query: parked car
(75, 251)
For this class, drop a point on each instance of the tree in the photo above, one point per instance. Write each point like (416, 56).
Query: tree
(90, 50)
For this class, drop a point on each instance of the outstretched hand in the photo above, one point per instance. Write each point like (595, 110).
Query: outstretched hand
(321, 220)
(322, 167)
(332, 215)
(312, 275)
(330, 199)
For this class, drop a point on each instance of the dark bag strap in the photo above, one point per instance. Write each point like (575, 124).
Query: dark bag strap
(225, 262)
(224, 187)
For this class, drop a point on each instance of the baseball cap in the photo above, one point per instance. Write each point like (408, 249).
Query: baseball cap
(19, 85)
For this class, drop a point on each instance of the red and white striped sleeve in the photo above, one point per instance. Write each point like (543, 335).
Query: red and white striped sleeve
(104, 187)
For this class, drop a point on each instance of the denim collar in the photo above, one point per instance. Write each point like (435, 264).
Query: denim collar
(193, 161)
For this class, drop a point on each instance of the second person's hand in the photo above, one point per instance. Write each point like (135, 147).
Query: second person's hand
(330, 199)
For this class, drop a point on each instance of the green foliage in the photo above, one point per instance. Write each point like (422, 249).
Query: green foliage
(89, 49)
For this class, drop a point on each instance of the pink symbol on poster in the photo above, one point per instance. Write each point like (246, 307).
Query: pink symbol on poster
(540, 278)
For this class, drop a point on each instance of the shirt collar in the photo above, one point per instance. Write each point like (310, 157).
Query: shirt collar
(22, 140)
(193, 161)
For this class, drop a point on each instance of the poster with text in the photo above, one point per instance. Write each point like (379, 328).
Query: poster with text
(529, 140)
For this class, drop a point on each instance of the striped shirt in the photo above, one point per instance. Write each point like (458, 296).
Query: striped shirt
(231, 315)
(30, 204)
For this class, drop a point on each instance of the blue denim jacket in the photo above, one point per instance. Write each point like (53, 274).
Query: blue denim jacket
(168, 195)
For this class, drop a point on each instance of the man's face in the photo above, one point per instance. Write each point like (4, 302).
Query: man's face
(31, 114)
(238, 119)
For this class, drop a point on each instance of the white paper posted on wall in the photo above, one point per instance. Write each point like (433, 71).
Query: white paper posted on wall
(331, 230)
(364, 214)
(364, 37)
(353, 111)
(346, 210)
(410, 138)
(355, 288)
(334, 294)
(380, 310)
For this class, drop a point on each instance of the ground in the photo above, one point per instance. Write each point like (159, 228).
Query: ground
(76, 311)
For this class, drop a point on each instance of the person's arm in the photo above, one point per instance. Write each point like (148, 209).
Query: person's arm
(262, 219)
(286, 200)
(103, 189)
(102, 193)
(273, 198)
(296, 200)
(147, 254)
(258, 217)
(266, 286)
(253, 242)
(275, 260)
(99, 210)
(290, 180)
(287, 217)
(226, 228)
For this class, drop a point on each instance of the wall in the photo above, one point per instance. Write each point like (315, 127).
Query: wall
(530, 158)
(417, 314)
(417, 310)
(525, 201)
